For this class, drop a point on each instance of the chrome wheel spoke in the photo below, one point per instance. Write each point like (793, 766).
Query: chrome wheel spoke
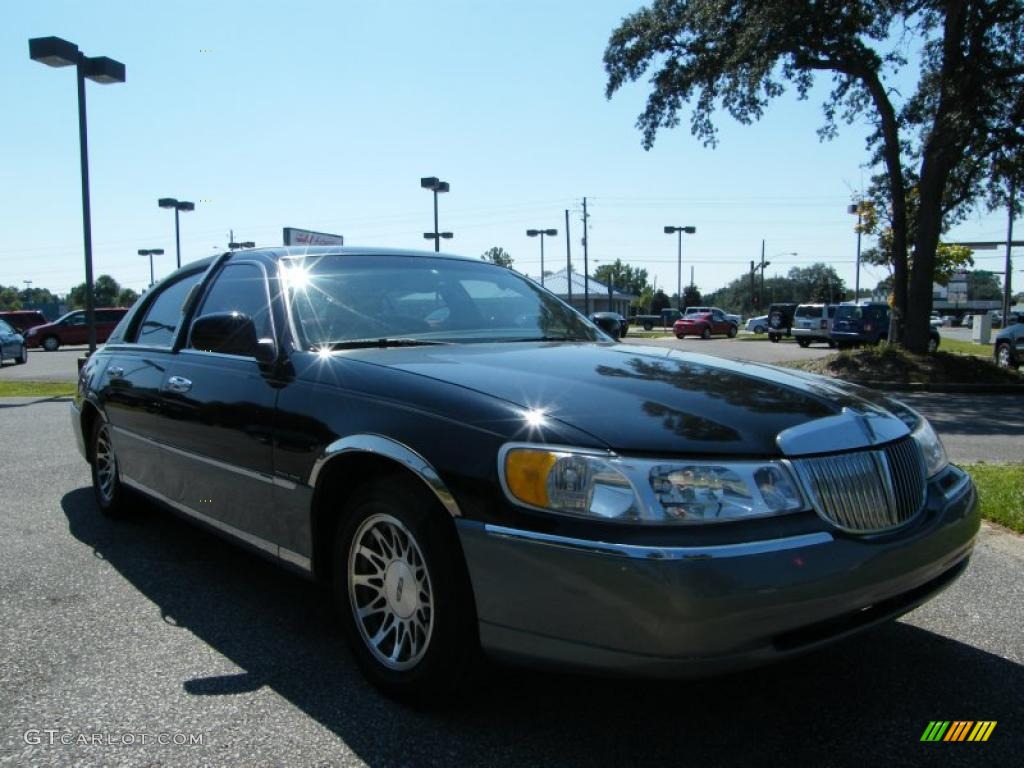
(390, 592)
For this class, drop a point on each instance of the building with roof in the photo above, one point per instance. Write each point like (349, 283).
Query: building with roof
(601, 299)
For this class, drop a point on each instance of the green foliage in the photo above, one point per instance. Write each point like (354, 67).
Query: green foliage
(625, 279)
(105, 290)
(498, 256)
(691, 296)
(127, 297)
(813, 283)
(983, 286)
(9, 298)
(959, 124)
(659, 302)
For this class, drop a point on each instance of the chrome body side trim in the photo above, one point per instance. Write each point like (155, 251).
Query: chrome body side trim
(272, 479)
(255, 541)
(846, 431)
(640, 552)
(391, 449)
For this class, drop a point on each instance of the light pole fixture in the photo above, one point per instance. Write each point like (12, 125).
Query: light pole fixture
(243, 244)
(151, 252)
(679, 275)
(855, 209)
(56, 52)
(436, 186)
(541, 233)
(177, 205)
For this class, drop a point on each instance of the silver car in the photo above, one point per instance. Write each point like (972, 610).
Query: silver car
(12, 345)
(813, 322)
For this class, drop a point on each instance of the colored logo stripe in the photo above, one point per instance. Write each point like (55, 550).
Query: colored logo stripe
(958, 730)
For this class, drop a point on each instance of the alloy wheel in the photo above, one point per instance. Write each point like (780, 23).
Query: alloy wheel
(390, 592)
(1003, 356)
(106, 464)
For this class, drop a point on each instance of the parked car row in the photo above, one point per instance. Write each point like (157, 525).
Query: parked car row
(68, 330)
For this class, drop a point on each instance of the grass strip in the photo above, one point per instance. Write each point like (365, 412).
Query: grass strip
(17, 388)
(1000, 492)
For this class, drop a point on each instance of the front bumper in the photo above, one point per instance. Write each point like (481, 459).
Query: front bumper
(684, 611)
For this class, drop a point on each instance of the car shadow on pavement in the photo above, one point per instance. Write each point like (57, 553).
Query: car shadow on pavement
(53, 399)
(979, 414)
(863, 701)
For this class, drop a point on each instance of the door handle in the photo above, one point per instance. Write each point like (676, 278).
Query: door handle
(179, 384)
(115, 372)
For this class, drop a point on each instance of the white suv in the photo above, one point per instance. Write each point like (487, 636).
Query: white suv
(813, 322)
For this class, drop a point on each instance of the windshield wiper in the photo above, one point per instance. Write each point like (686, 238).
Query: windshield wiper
(382, 343)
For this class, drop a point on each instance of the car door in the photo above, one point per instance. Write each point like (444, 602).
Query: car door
(718, 322)
(73, 329)
(217, 414)
(129, 385)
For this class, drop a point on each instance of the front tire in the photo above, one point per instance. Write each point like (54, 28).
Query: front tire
(733, 330)
(804, 343)
(706, 333)
(51, 343)
(23, 357)
(106, 480)
(401, 586)
(1004, 356)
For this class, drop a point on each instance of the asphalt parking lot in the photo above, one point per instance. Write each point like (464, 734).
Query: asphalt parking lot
(152, 629)
(45, 366)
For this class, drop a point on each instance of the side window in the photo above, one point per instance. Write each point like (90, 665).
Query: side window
(160, 323)
(240, 288)
(76, 319)
(718, 315)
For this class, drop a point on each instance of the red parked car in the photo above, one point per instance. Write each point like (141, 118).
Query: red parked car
(23, 319)
(72, 329)
(704, 324)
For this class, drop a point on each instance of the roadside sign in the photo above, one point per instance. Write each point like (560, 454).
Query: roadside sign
(296, 236)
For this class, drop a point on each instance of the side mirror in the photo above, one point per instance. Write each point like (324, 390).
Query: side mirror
(231, 333)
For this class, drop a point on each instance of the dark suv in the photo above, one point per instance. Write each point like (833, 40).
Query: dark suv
(861, 323)
(780, 320)
(72, 329)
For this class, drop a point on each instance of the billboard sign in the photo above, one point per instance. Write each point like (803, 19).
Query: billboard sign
(296, 236)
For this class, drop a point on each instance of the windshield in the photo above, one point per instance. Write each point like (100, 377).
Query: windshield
(337, 299)
(848, 313)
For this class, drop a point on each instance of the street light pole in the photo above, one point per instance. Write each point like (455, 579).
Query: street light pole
(855, 208)
(679, 259)
(56, 52)
(178, 206)
(435, 185)
(151, 252)
(541, 232)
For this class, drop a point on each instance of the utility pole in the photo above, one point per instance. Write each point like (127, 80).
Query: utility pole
(586, 268)
(568, 256)
(1007, 293)
(753, 294)
(763, 265)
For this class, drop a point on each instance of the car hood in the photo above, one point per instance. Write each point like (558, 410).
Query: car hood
(649, 400)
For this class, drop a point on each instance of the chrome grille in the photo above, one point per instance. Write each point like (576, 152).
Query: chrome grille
(867, 491)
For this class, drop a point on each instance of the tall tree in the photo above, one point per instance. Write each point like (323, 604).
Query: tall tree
(497, 256)
(624, 277)
(105, 292)
(738, 54)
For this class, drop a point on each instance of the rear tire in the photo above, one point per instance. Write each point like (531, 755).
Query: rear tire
(706, 333)
(401, 586)
(51, 343)
(774, 338)
(23, 357)
(648, 326)
(107, 489)
(733, 330)
(804, 343)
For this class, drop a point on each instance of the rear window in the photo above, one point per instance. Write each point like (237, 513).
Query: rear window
(848, 313)
(808, 311)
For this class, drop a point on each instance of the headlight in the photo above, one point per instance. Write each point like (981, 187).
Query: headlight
(605, 487)
(935, 459)
(934, 452)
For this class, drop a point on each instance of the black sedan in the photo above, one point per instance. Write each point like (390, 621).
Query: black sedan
(612, 323)
(470, 465)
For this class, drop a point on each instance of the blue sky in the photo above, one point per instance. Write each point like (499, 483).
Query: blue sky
(324, 115)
